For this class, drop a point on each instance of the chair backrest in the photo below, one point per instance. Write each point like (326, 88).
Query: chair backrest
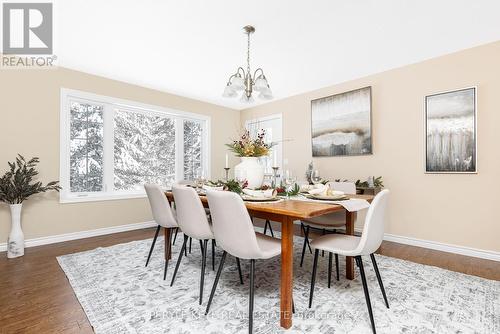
(191, 215)
(346, 187)
(162, 212)
(373, 231)
(186, 182)
(232, 225)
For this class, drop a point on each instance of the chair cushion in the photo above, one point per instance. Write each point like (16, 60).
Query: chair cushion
(328, 221)
(337, 243)
(269, 246)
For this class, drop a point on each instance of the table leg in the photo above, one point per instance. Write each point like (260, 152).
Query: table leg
(286, 273)
(168, 243)
(350, 218)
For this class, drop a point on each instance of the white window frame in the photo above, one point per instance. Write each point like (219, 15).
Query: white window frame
(280, 144)
(110, 104)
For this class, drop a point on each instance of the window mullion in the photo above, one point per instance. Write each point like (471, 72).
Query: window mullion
(179, 148)
(108, 148)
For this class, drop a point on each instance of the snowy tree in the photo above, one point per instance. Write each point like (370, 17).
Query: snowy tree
(86, 147)
(144, 150)
(192, 149)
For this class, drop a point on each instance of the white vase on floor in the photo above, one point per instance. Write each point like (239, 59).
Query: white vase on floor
(15, 243)
(250, 169)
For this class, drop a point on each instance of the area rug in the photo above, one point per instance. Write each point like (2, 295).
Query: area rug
(120, 295)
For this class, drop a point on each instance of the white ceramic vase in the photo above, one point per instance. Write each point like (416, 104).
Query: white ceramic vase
(250, 169)
(15, 243)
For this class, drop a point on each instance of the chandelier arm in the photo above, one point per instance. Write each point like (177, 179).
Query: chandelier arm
(242, 70)
(229, 80)
(261, 71)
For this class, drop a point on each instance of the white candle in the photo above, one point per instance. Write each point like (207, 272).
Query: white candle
(227, 161)
(275, 159)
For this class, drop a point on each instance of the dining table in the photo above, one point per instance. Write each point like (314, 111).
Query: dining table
(286, 212)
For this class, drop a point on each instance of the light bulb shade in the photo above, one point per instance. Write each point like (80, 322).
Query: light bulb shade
(229, 91)
(266, 94)
(245, 99)
(260, 84)
(237, 83)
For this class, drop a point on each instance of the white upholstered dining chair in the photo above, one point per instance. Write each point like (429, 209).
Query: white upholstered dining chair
(194, 223)
(327, 224)
(349, 245)
(191, 183)
(163, 216)
(234, 233)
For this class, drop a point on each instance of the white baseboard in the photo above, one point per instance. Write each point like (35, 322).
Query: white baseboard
(443, 247)
(467, 251)
(81, 235)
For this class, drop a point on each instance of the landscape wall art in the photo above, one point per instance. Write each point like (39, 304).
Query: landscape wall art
(450, 123)
(341, 124)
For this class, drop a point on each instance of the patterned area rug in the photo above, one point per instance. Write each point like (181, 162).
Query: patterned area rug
(120, 295)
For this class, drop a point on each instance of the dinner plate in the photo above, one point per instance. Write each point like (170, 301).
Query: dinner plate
(328, 198)
(259, 199)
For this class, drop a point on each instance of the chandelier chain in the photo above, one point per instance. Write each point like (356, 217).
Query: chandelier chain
(248, 54)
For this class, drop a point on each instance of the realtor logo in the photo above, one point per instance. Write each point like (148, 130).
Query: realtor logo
(27, 28)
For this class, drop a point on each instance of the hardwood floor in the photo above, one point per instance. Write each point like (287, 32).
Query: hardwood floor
(35, 296)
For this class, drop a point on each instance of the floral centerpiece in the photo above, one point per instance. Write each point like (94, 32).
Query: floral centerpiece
(246, 146)
(249, 149)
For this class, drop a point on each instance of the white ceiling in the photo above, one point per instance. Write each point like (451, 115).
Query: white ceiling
(191, 47)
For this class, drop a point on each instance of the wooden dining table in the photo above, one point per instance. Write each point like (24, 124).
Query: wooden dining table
(286, 212)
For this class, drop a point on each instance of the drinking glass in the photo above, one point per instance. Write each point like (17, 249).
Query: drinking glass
(241, 178)
(315, 176)
(290, 180)
(199, 180)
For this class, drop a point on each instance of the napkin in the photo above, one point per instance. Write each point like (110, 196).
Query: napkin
(318, 189)
(269, 193)
(209, 188)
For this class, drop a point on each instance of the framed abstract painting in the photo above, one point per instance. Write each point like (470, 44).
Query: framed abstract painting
(450, 132)
(341, 124)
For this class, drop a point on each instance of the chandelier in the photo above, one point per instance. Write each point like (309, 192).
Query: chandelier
(244, 81)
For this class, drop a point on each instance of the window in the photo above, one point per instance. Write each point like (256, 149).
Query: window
(110, 148)
(273, 127)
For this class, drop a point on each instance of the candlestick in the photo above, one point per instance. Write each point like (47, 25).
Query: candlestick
(275, 175)
(226, 169)
(227, 161)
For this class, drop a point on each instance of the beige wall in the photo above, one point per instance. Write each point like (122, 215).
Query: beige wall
(29, 124)
(454, 209)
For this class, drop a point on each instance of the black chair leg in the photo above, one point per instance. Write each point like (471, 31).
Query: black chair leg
(167, 259)
(379, 278)
(203, 265)
(293, 306)
(190, 242)
(214, 287)
(239, 269)
(213, 254)
(252, 293)
(183, 249)
(313, 278)
(323, 252)
(329, 269)
(337, 266)
(359, 262)
(306, 236)
(153, 244)
(175, 236)
(265, 227)
(306, 242)
(201, 247)
(270, 228)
